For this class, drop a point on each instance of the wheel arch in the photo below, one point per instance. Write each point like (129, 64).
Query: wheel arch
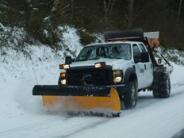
(130, 75)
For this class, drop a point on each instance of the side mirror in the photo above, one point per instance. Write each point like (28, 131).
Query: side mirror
(68, 60)
(159, 61)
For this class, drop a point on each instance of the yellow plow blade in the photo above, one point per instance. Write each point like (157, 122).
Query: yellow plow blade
(111, 103)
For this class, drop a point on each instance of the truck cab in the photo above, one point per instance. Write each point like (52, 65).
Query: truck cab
(122, 56)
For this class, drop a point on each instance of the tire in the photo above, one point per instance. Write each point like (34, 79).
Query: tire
(130, 98)
(162, 86)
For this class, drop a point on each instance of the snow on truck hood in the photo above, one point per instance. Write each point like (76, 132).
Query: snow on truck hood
(115, 63)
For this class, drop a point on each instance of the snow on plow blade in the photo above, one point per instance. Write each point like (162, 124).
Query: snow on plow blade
(99, 99)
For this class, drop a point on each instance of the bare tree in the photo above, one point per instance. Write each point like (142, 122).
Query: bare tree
(28, 10)
(108, 7)
(131, 12)
(58, 12)
(179, 9)
(72, 8)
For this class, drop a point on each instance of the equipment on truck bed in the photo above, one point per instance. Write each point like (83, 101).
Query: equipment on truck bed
(106, 77)
(151, 39)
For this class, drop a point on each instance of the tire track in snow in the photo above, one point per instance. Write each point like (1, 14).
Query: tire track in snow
(177, 84)
(84, 128)
(31, 125)
(68, 126)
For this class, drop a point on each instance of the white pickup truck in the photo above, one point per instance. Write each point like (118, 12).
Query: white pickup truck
(127, 66)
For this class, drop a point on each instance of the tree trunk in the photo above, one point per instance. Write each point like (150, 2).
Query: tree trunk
(179, 9)
(72, 6)
(108, 7)
(131, 11)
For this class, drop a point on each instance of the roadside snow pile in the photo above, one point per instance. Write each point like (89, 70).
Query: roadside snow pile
(174, 55)
(23, 65)
(19, 59)
(177, 78)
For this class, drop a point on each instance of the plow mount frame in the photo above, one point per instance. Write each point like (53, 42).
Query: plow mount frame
(56, 90)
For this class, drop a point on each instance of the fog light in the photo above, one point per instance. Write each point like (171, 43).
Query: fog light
(117, 76)
(63, 82)
(117, 79)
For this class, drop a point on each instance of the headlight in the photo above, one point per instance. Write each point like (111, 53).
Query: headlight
(100, 65)
(117, 76)
(64, 66)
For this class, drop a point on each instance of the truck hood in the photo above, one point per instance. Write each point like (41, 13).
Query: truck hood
(115, 63)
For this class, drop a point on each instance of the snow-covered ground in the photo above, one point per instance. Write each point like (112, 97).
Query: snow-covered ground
(22, 115)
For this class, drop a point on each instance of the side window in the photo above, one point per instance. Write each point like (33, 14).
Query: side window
(137, 53)
(142, 48)
(145, 56)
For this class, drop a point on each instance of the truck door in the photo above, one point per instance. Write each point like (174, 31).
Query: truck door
(148, 66)
(139, 66)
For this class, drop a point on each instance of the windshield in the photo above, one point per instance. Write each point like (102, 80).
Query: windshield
(112, 51)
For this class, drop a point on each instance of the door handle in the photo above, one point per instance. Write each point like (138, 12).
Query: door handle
(145, 66)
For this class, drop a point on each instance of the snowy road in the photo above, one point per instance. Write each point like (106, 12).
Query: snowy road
(22, 116)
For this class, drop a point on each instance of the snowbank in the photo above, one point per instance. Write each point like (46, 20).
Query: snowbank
(36, 60)
(22, 68)
(174, 55)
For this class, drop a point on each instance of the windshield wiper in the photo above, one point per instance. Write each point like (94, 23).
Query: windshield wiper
(87, 59)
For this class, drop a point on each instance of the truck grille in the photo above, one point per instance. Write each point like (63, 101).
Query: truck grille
(89, 76)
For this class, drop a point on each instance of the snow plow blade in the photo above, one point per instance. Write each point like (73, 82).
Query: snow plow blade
(92, 99)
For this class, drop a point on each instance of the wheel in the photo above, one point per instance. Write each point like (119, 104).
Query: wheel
(155, 94)
(165, 87)
(130, 98)
(156, 90)
(162, 86)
